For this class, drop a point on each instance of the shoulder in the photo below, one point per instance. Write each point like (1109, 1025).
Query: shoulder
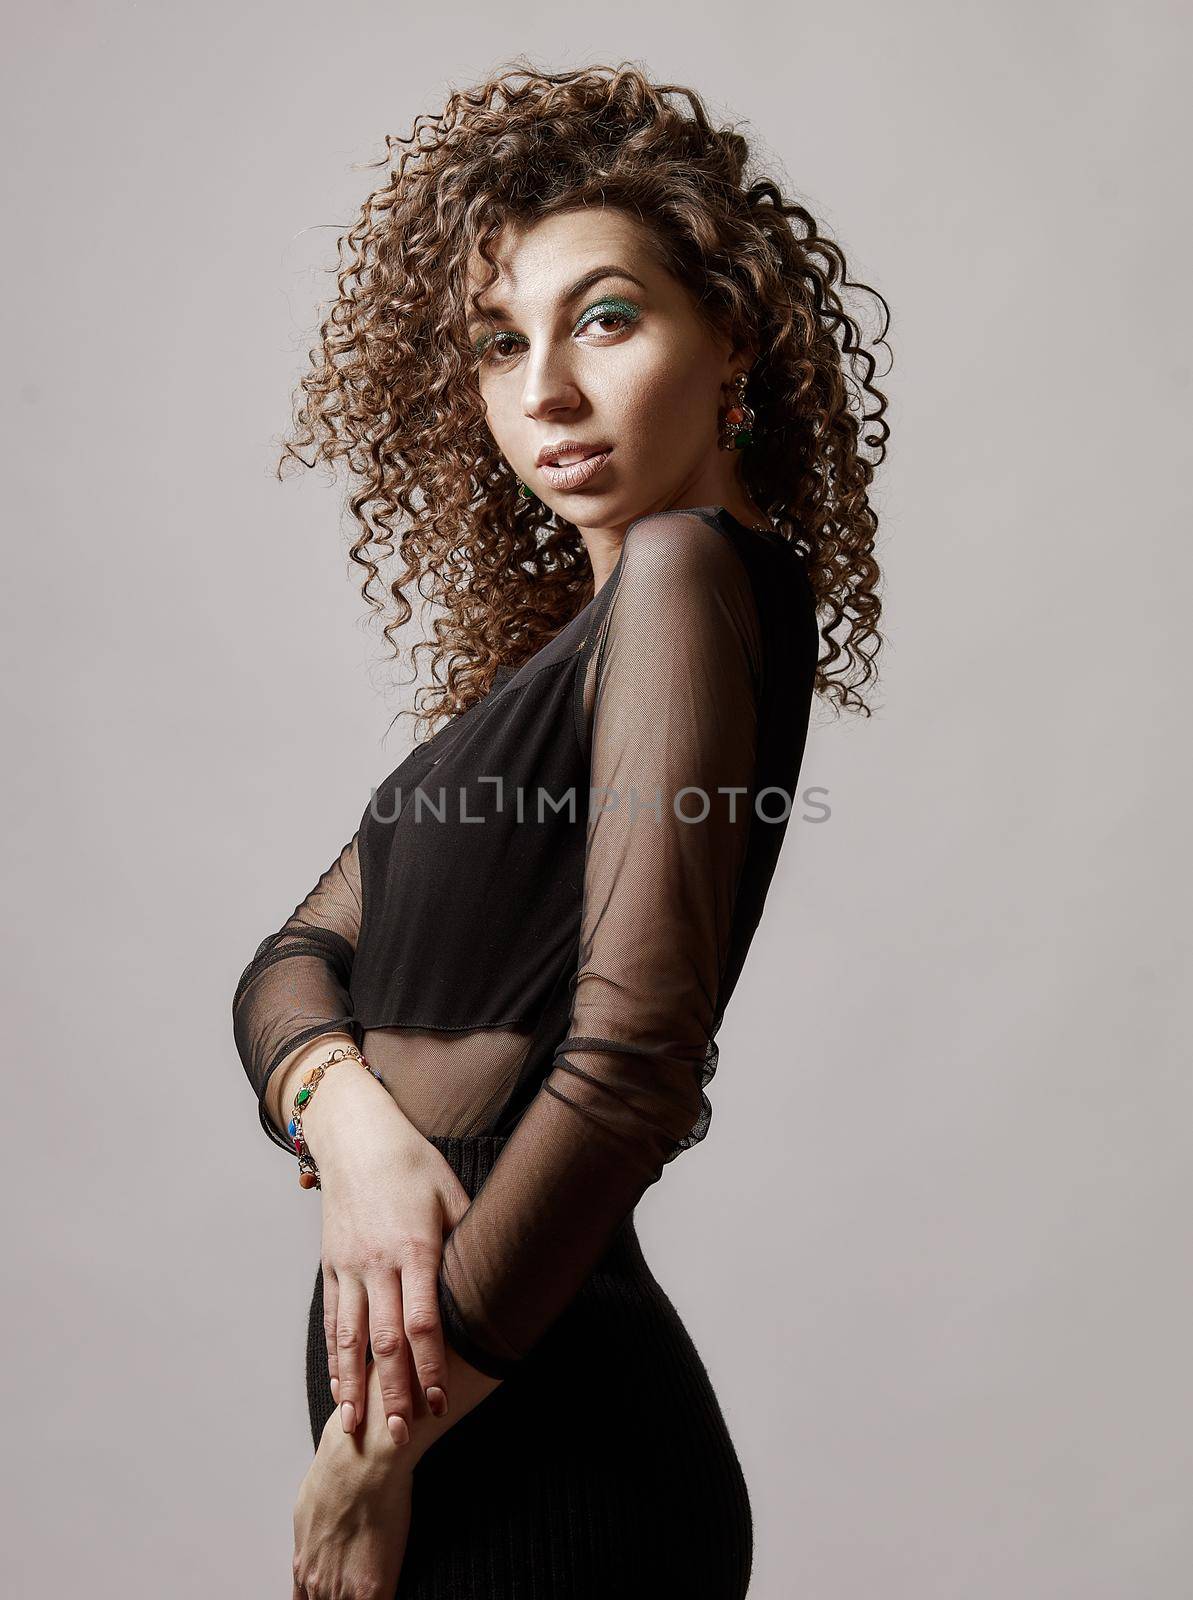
(681, 550)
(683, 589)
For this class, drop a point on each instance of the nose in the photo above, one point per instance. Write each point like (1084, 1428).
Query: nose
(549, 387)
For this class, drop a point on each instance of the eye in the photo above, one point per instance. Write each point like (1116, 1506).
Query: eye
(621, 312)
(496, 343)
(500, 347)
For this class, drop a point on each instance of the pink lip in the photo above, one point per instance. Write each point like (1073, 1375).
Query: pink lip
(577, 473)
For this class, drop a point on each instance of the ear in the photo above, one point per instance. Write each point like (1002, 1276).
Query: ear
(739, 357)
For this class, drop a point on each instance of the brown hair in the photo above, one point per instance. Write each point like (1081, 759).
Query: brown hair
(392, 382)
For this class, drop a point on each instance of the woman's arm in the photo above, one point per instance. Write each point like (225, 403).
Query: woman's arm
(674, 724)
(388, 1196)
(293, 997)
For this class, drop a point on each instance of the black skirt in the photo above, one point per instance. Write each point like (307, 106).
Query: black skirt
(602, 1467)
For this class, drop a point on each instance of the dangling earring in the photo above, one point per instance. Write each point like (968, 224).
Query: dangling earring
(737, 423)
(524, 492)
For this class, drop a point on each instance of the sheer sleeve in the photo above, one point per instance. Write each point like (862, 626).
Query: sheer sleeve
(672, 746)
(296, 986)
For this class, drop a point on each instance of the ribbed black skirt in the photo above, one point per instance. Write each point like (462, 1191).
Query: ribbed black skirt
(602, 1467)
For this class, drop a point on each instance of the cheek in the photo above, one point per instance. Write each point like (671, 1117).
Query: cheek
(494, 406)
(660, 393)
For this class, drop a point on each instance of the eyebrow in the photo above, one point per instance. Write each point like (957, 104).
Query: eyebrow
(496, 313)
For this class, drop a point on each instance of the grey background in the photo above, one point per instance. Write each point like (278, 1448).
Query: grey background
(935, 1249)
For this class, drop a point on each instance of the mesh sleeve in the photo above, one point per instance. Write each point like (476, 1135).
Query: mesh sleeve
(296, 986)
(674, 727)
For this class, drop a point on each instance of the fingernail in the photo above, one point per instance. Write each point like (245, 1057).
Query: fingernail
(348, 1416)
(335, 1390)
(398, 1431)
(437, 1401)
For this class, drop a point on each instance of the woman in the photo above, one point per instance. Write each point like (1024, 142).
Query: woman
(606, 388)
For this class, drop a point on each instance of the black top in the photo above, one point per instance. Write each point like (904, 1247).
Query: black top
(539, 921)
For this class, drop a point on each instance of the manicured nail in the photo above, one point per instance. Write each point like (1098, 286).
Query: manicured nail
(335, 1390)
(437, 1401)
(398, 1431)
(348, 1416)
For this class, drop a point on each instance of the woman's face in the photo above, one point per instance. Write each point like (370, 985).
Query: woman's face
(591, 342)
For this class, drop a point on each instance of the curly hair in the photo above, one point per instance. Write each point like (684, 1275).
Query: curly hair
(392, 384)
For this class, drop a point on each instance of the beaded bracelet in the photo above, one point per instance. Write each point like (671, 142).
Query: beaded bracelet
(308, 1172)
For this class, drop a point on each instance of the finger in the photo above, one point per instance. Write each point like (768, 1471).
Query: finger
(391, 1354)
(424, 1329)
(352, 1331)
(331, 1295)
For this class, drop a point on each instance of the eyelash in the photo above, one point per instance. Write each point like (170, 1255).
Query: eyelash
(600, 312)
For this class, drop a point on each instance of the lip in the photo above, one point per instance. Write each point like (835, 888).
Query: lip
(562, 447)
(576, 473)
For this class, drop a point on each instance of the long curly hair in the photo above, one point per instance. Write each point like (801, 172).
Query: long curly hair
(392, 385)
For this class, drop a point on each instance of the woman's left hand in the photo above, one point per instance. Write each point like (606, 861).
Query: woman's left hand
(352, 1517)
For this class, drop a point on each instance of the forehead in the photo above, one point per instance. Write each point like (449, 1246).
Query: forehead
(545, 256)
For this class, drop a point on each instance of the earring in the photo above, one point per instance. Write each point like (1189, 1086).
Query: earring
(737, 423)
(523, 491)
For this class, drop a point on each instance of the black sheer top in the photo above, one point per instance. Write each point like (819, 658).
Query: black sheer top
(539, 921)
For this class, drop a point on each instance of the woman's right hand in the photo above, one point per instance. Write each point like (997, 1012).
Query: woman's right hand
(389, 1200)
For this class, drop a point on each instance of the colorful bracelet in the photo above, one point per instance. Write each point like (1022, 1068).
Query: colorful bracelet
(308, 1172)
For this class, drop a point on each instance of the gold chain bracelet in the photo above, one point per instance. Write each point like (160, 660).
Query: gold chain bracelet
(308, 1172)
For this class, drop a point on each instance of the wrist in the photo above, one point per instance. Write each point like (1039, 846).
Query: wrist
(287, 1078)
(349, 1106)
(467, 1386)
